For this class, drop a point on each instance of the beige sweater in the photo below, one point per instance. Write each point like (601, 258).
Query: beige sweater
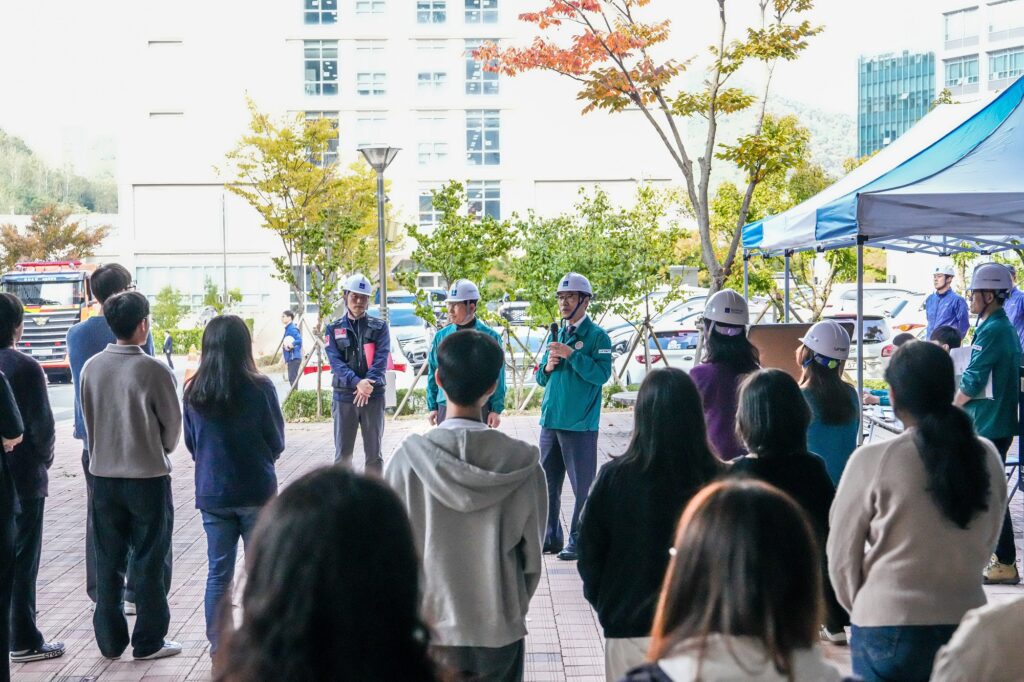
(132, 414)
(986, 646)
(893, 557)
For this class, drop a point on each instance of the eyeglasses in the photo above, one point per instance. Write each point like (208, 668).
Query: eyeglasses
(567, 297)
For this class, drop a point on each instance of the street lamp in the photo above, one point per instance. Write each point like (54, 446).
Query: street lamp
(380, 158)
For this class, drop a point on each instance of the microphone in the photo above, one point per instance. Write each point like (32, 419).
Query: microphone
(554, 336)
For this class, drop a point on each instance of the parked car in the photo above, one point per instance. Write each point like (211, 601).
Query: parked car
(678, 345)
(409, 330)
(877, 340)
(879, 299)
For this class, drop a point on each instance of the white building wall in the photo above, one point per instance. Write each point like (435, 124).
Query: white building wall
(194, 63)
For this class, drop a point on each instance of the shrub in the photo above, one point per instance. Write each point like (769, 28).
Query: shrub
(417, 403)
(182, 338)
(611, 389)
(300, 406)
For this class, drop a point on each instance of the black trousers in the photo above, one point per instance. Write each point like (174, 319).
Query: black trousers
(28, 547)
(1006, 551)
(8, 533)
(170, 362)
(139, 514)
(293, 370)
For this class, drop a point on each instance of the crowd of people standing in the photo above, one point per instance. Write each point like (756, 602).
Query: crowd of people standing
(740, 527)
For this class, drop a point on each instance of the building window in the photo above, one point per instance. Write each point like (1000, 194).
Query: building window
(483, 130)
(1005, 63)
(481, 11)
(1006, 16)
(431, 11)
(321, 11)
(370, 129)
(371, 83)
(321, 65)
(478, 81)
(484, 198)
(330, 155)
(961, 71)
(428, 215)
(432, 153)
(430, 50)
(961, 25)
(370, 6)
(431, 81)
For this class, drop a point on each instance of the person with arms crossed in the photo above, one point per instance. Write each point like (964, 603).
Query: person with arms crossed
(462, 302)
(572, 373)
(358, 347)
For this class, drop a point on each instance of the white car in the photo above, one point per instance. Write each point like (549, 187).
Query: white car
(412, 332)
(877, 343)
(879, 299)
(678, 346)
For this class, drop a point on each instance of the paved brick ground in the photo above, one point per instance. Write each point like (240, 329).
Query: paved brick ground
(564, 643)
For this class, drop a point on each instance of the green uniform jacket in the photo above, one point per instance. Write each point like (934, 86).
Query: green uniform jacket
(572, 393)
(435, 396)
(997, 352)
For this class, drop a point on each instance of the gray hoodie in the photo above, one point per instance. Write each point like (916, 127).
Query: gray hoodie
(478, 504)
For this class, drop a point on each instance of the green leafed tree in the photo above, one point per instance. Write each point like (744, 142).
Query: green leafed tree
(169, 308)
(459, 246)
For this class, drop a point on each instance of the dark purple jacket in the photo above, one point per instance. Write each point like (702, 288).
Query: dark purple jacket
(719, 385)
(30, 459)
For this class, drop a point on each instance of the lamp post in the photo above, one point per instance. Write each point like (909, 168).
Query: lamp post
(380, 158)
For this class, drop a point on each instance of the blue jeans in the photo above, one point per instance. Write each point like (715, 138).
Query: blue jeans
(223, 528)
(904, 652)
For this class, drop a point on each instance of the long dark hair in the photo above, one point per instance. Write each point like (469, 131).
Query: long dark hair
(830, 395)
(772, 416)
(735, 352)
(670, 437)
(746, 564)
(332, 590)
(225, 369)
(920, 376)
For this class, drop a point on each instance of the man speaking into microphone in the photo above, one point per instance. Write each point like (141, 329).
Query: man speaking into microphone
(575, 367)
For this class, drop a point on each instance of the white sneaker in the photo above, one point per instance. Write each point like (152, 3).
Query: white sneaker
(129, 608)
(834, 637)
(168, 649)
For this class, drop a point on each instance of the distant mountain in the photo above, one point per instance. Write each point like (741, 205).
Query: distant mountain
(27, 183)
(833, 135)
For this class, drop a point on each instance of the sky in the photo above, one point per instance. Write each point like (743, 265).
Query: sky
(61, 83)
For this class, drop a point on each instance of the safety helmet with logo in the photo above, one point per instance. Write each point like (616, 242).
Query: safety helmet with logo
(575, 282)
(944, 269)
(726, 307)
(463, 290)
(829, 341)
(992, 277)
(358, 284)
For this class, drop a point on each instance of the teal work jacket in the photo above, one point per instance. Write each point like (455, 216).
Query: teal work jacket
(435, 396)
(573, 392)
(996, 352)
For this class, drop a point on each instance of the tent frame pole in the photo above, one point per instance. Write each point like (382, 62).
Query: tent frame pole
(859, 323)
(786, 287)
(746, 276)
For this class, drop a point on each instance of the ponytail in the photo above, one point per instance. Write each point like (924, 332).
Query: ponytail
(954, 459)
(921, 378)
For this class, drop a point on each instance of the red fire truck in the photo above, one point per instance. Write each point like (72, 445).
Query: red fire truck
(56, 295)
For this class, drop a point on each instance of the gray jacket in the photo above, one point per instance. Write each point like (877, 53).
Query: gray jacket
(132, 414)
(477, 500)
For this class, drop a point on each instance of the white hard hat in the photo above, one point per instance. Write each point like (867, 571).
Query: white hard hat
(727, 307)
(828, 338)
(575, 282)
(463, 290)
(358, 284)
(991, 277)
(944, 269)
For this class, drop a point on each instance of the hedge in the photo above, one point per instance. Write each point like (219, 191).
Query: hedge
(300, 406)
(184, 338)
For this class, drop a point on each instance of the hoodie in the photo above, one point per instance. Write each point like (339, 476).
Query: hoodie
(477, 501)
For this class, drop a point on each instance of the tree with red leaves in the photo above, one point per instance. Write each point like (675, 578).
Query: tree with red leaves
(606, 46)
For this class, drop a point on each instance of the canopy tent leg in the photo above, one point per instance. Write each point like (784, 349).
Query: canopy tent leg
(786, 288)
(746, 276)
(859, 324)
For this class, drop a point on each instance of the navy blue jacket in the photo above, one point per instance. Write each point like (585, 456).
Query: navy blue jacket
(30, 459)
(235, 454)
(296, 352)
(345, 340)
(86, 339)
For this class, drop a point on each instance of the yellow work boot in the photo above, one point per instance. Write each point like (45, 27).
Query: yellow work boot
(997, 573)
